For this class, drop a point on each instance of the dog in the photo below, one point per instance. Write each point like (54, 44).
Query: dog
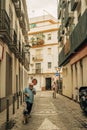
(25, 116)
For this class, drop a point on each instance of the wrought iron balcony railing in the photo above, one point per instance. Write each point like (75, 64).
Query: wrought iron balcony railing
(74, 4)
(18, 8)
(60, 33)
(37, 58)
(68, 14)
(22, 21)
(4, 26)
(14, 43)
(37, 71)
(59, 9)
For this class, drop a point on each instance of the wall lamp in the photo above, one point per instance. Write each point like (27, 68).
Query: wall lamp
(26, 48)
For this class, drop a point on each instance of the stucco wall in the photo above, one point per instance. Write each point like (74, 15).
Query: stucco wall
(67, 83)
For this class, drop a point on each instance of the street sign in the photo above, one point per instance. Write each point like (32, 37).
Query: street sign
(57, 74)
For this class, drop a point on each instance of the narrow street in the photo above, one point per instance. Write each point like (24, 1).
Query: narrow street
(52, 114)
(43, 46)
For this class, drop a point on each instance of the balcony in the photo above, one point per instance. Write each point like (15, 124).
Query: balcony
(37, 43)
(20, 52)
(59, 9)
(63, 2)
(14, 43)
(74, 4)
(37, 58)
(4, 27)
(26, 64)
(68, 15)
(62, 25)
(37, 71)
(60, 34)
(78, 39)
(23, 57)
(18, 8)
(25, 36)
(22, 21)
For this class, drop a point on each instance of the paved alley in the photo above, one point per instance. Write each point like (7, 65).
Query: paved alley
(52, 114)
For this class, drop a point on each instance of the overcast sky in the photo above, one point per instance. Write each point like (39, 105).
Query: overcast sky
(41, 7)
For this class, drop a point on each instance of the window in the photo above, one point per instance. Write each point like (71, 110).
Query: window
(49, 65)
(38, 53)
(38, 68)
(49, 51)
(49, 36)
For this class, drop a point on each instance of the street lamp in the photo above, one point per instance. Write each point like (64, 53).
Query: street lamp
(27, 54)
(26, 48)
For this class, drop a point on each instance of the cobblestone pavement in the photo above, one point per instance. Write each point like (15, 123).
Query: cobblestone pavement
(52, 114)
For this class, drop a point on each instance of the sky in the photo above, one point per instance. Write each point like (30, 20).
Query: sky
(42, 7)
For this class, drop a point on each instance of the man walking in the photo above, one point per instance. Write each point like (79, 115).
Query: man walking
(29, 93)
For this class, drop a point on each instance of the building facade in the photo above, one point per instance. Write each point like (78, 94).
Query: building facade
(72, 37)
(43, 51)
(14, 62)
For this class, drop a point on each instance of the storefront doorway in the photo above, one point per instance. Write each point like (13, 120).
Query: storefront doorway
(48, 83)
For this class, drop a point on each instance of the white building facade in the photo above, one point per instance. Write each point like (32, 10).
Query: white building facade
(43, 51)
(14, 64)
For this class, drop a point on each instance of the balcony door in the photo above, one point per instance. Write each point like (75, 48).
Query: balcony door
(8, 75)
(38, 68)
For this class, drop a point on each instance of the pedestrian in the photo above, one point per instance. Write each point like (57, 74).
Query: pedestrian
(29, 93)
(54, 89)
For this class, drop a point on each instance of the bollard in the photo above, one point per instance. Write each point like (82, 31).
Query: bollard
(21, 98)
(17, 102)
(7, 114)
(13, 104)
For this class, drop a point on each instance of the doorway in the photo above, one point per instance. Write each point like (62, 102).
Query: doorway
(8, 75)
(48, 83)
